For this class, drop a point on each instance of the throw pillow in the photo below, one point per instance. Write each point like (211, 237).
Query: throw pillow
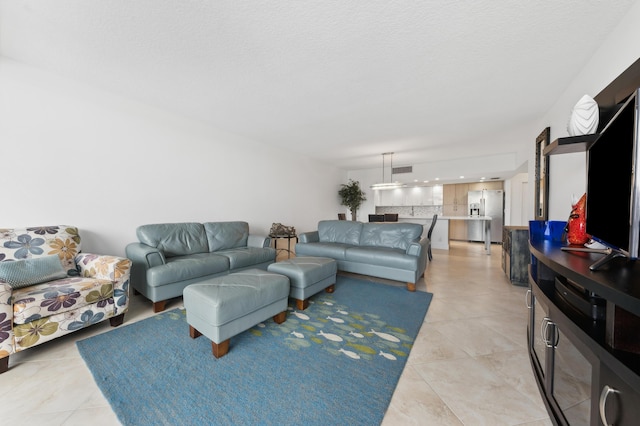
(26, 272)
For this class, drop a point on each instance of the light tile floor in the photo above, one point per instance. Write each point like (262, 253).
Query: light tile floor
(469, 364)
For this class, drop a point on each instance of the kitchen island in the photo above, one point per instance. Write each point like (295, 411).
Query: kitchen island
(440, 234)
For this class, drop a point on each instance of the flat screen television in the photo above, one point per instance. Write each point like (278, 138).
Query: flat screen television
(613, 187)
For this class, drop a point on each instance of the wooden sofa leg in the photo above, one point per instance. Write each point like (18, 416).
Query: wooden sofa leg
(117, 320)
(302, 304)
(280, 318)
(331, 288)
(159, 306)
(4, 364)
(411, 286)
(220, 349)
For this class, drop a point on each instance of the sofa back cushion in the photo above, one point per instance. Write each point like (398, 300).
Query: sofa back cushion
(39, 241)
(226, 235)
(392, 235)
(174, 239)
(26, 272)
(339, 231)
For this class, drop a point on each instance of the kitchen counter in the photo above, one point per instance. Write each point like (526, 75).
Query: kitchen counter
(428, 219)
(440, 234)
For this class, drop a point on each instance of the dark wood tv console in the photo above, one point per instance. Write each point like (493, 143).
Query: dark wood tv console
(584, 336)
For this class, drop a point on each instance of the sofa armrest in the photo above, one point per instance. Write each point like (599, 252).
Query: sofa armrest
(421, 251)
(142, 254)
(419, 248)
(6, 321)
(309, 237)
(258, 241)
(102, 267)
(111, 268)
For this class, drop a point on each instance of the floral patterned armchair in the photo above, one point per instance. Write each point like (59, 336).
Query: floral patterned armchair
(92, 288)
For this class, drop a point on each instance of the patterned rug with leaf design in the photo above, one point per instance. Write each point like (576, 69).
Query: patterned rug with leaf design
(335, 363)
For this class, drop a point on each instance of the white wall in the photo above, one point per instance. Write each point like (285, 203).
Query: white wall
(516, 200)
(74, 155)
(568, 171)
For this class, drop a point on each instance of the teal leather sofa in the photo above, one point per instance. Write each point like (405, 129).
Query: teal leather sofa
(170, 256)
(394, 251)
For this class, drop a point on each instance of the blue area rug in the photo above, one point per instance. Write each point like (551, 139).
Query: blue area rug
(335, 363)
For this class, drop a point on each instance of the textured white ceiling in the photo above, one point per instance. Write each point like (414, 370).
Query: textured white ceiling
(339, 80)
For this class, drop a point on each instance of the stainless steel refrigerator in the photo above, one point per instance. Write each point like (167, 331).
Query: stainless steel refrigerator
(488, 202)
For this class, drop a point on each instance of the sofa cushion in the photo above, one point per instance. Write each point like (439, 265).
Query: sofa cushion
(38, 241)
(182, 268)
(63, 295)
(243, 257)
(381, 256)
(174, 239)
(392, 235)
(25, 272)
(336, 251)
(226, 235)
(339, 231)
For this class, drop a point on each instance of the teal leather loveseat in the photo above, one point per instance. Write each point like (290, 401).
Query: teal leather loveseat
(170, 256)
(394, 251)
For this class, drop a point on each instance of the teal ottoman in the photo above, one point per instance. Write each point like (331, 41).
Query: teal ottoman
(223, 307)
(308, 275)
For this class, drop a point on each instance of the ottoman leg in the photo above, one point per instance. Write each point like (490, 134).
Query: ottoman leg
(220, 349)
(331, 288)
(280, 318)
(159, 306)
(411, 286)
(302, 304)
(193, 333)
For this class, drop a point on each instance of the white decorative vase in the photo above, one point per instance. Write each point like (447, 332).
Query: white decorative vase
(584, 117)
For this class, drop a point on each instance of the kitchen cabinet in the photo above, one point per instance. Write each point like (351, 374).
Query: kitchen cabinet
(455, 204)
(493, 184)
(458, 230)
(419, 196)
(412, 196)
(449, 195)
(392, 197)
(427, 196)
(437, 193)
(455, 195)
(462, 189)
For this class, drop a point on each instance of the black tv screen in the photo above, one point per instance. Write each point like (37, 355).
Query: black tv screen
(612, 191)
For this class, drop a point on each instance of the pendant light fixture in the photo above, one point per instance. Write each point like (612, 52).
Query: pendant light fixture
(384, 184)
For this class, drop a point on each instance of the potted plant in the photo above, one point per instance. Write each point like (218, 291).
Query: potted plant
(352, 196)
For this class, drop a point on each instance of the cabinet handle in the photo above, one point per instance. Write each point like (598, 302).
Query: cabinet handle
(606, 391)
(527, 299)
(549, 341)
(543, 331)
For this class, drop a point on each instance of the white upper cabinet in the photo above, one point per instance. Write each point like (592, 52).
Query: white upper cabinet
(392, 197)
(415, 196)
(438, 195)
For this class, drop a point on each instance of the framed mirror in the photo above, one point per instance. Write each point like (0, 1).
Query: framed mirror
(542, 176)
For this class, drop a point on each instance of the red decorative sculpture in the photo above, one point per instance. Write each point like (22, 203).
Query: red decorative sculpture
(577, 225)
